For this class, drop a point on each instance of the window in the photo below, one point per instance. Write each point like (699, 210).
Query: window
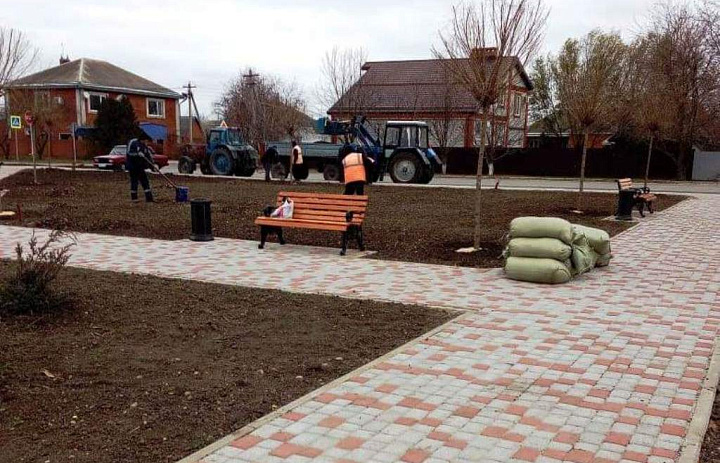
(155, 108)
(408, 137)
(95, 100)
(392, 136)
(214, 137)
(518, 105)
(65, 136)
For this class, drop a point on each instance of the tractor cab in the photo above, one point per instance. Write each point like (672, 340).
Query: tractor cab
(406, 134)
(224, 136)
(407, 151)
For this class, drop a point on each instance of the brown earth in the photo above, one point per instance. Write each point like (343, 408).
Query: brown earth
(409, 224)
(711, 446)
(148, 369)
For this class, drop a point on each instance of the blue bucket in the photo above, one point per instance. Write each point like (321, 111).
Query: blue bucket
(182, 194)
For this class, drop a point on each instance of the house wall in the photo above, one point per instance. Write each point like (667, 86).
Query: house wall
(73, 107)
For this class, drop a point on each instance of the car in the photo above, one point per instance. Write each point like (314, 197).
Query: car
(115, 159)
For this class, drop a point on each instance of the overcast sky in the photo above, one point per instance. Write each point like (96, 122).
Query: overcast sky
(208, 42)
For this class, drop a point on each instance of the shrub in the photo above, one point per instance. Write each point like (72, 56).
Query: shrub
(29, 289)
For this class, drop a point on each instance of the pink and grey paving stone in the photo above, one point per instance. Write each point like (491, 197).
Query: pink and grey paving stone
(609, 368)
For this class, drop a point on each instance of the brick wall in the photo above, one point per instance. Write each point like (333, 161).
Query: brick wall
(68, 113)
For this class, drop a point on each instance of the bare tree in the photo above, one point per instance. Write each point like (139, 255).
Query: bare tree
(17, 55)
(263, 107)
(481, 50)
(588, 74)
(684, 66)
(341, 70)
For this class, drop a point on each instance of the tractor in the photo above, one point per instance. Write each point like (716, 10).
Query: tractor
(225, 153)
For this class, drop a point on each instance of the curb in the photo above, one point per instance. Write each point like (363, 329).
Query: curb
(247, 429)
(690, 453)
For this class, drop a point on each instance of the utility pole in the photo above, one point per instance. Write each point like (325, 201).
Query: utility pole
(189, 87)
(250, 80)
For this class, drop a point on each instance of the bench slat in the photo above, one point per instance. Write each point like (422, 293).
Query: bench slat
(329, 208)
(323, 202)
(293, 194)
(294, 223)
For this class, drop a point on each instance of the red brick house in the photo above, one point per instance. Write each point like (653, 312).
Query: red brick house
(422, 90)
(74, 90)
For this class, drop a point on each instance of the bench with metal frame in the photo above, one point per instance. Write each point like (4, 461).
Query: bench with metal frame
(642, 197)
(316, 211)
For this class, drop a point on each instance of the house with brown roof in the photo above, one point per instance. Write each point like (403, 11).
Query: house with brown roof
(71, 93)
(422, 90)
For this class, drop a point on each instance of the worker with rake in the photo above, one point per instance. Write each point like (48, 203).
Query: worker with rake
(137, 160)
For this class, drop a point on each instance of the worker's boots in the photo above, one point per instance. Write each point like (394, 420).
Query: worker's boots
(134, 196)
(149, 196)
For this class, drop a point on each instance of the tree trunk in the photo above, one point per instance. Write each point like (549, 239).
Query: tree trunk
(582, 171)
(649, 157)
(478, 183)
(681, 162)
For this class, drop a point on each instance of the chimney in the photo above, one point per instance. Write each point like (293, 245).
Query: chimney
(64, 59)
(486, 53)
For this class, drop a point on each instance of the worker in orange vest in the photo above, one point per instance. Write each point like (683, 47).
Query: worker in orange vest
(354, 164)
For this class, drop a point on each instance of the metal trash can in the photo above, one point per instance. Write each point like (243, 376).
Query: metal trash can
(626, 201)
(201, 220)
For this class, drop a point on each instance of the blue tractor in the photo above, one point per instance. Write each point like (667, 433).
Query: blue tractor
(404, 152)
(224, 154)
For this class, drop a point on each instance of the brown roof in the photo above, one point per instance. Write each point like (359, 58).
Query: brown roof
(420, 85)
(92, 74)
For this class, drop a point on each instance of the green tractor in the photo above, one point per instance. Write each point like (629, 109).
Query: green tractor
(225, 153)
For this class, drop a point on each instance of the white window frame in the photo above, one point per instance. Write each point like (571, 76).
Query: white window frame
(102, 96)
(518, 103)
(147, 108)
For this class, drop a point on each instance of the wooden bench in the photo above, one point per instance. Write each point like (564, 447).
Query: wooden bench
(642, 196)
(316, 211)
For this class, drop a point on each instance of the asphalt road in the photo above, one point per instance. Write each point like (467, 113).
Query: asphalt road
(529, 183)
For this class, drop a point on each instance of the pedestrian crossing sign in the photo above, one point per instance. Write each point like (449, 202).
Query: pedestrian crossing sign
(15, 122)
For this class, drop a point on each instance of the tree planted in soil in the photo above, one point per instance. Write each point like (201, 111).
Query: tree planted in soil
(115, 123)
(483, 48)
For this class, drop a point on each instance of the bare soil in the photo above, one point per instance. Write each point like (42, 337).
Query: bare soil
(148, 369)
(711, 446)
(405, 223)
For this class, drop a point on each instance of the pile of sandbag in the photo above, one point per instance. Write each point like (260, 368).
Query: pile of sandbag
(552, 250)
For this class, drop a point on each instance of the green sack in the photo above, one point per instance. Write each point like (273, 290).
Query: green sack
(603, 260)
(534, 270)
(599, 239)
(542, 227)
(543, 248)
(583, 256)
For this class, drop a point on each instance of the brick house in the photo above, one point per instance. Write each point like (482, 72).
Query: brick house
(422, 90)
(74, 91)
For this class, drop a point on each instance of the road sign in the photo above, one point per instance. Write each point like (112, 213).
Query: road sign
(29, 118)
(15, 122)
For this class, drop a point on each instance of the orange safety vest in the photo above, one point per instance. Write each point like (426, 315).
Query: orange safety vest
(299, 155)
(354, 168)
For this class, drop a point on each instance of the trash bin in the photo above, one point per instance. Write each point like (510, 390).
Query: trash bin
(201, 221)
(626, 201)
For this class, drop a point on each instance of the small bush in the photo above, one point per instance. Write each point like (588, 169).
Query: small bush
(29, 290)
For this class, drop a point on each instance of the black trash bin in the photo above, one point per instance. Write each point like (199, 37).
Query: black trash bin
(626, 201)
(201, 221)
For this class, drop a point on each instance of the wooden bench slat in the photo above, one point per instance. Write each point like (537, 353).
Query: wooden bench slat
(293, 223)
(325, 202)
(323, 196)
(332, 208)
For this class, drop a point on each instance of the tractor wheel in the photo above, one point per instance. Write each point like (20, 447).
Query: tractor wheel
(221, 162)
(428, 174)
(405, 168)
(279, 171)
(186, 165)
(331, 173)
(205, 169)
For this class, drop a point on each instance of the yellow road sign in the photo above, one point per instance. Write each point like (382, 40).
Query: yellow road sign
(15, 122)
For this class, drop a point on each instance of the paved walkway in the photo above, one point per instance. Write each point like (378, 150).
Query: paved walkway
(608, 368)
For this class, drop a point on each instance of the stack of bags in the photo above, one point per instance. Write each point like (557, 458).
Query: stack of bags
(551, 250)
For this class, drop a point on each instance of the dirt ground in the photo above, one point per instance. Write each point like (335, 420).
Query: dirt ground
(408, 224)
(711, 446)
(147, 369)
